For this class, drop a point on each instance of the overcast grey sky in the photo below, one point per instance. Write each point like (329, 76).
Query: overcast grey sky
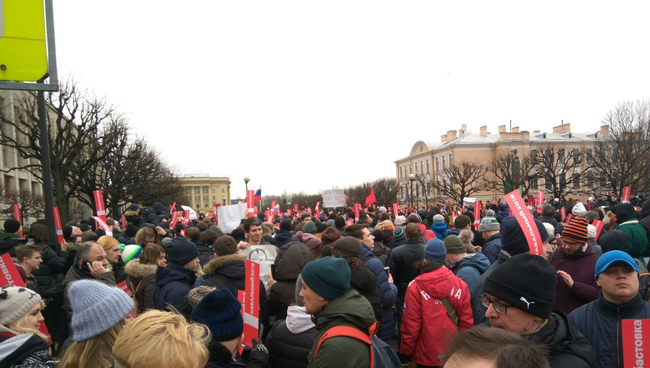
(306, 95)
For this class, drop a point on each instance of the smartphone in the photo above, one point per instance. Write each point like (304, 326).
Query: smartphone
(387, 270)
(85, 268)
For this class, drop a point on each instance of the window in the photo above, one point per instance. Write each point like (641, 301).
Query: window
(576, 155)
(533, 156)
(416, 167)
(533, 182)
(401, 189)
(214, 198)
(205, 190)
(197, 198)
(428, 169)
(450, 160)
(561, 155)
(410, 169)
(214, 190)
(197, 190)
(576, 180)
(400, 172)
(223, 190)
(437, 166)
(422, 167)
(589, 179)
(615, 154)
(205, 198)
(188, 190)
(443, 162)
(590, 155)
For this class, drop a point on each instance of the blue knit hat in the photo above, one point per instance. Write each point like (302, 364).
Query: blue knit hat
(398, 233)
(328, 277)
(96, 308)
(435, 250)
(221, 312)
(180, 251)
(611, 257)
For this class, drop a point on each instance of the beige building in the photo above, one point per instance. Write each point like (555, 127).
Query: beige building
(429, 162)
(204, 191)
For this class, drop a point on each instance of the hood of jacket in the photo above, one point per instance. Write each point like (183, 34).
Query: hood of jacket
(351, 309)
(298, 321)
(379, 249)
(366, 252)
(613, 240)
(173, 273)
(561, 337)
(283, 236)
(139, 270)
(440, 227)
(233, 266)
(478, 260)
(624, 212)
(363, 279)
(290, 261)
(436, 283)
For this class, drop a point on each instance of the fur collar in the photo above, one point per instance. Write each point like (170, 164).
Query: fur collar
(219, 262)
(136, 269)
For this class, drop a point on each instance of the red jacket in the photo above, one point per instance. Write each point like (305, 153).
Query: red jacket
(426, 328)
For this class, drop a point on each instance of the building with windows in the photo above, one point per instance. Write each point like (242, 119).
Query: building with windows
(421, 174)
(204, 191)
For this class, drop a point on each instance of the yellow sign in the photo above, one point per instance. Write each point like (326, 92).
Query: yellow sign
(23, 51)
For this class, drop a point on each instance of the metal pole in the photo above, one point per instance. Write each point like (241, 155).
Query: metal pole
(47, 170)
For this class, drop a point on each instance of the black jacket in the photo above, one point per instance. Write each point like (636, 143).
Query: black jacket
(404, 263)
(27, 350)
(290, 340)
(206, 254)
(173, 283)
(644, 221)
(53, 269)
(289, 262)
(220, 357)
(478, 310)
(363, 280)
(567, 347)
(9, 243)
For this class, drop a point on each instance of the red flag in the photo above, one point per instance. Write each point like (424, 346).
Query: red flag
(296, 208)
(371, 198)
(57, 224)
(626, 194)
(395, 209)
(635, 334)
(273, 205)
(123, 221)
(18, 218)
(345, 200)
(251, 303)
(357, 210)
(526, 221)
(99, 204)
(477, 214)
(599, 227)
(563, 213)
(171, 208)
(317, 206)
(174, 220)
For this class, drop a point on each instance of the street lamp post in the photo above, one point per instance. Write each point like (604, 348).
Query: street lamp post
(412, 179)
(223, 199)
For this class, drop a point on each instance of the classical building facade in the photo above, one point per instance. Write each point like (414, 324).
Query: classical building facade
(429, 162)
(204, 191)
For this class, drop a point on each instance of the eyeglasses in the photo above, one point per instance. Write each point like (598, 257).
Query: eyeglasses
(498, 306)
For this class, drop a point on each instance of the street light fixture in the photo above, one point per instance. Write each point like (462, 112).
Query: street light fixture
(223, 199)
(246, 180)
(412, 179)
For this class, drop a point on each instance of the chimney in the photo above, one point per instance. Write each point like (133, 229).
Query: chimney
(502, 128)
(515, 130)
(563, 128)
(451, 135)
(604, 129)
(535, 131)
(484, 132)
(461, 133)
(443, 138)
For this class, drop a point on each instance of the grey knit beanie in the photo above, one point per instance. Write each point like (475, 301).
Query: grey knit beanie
(15, 302)
(489, 223)
(96, 308)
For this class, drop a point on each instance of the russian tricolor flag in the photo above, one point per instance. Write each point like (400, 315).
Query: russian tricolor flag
(257, 196)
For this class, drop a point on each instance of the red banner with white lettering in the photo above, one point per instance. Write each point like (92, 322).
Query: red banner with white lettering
(636, 334)
(477, 214)
(107, 229)
(599, 227)
(269, 216)
(357, 210)
(123, 221)
(186, 218)
(395, 210)
(174, 220)
(250, 203)
(251, 303)
(526, 222)
(540, 201)
(122, 286)
(171, 208)
(57, 224)
(18, 218)
(626, 194)
(99, 204)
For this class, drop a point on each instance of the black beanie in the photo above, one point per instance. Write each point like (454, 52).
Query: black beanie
(180, 251)
(339, 222)
(624, 212)
(67, 232)
(513, 239)
(11, 225)
(321, 227)
(285, 225)
(525, 281)
(131, 230)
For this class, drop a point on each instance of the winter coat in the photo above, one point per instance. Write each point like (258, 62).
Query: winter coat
(425, 323)
(440, 229)
(470, 268)
(173, 283)
(363, 280)
(600, 322)
(53, 269)
(478, 310)
(351, 310)
(206, 254)
(221, 357)
(396, 243)
(637, 238)
(382, 252)
(283, 237)
(404, 266)
(229, 272)
(9, 242)
(645, 221)
(581, 270)
(567, 347)
(289, 262)
(24, 351)
(289, 342)
(74, 274)
(140, 279)
(492, 248)
(387, 292)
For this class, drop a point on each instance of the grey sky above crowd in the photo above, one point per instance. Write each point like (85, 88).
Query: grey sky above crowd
(307, 96)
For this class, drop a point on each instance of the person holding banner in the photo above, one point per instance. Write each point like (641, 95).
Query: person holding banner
(617, 274)
(21, 342)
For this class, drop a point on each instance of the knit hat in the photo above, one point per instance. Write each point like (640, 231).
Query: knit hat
(221, 312)
(131, 230)
(414, 218)
(198, 293)
(15, 302)
(400, 220)
(385, 225)
(579, 209)
(348, 246)
(611, 257)
(310, 240)
(591, 231)
(613, 240)
(285, 225)
(525, 281)
(321, 227)
(131, 251)
(331, 222)
(96, 308)
(339, 222)
(438, 218)
(398, 233)
(11, 225)
(435, 250)
(513, 239)
(309, 227)
(576, 230)
(328, 277)
(382, 209)
(624, 212)
(134, 207)
(454, 245)
(489, 223)
(180, 251)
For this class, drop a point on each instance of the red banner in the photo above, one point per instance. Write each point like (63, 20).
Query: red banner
(599, 227)
(526, 222)
(123, 221)
(531, 200)
(273, 204)
(122, 286)
(540, 201)
(563, 213)
(171, 208)
(57, 224)
(18, 218)
(317, 208)
(635, 332)
(269, 216)
(349, 222)
(186, 219)
(251, 303)
(296, 208)
(395, 210)
(357, 210)
(626, 194)
(174, 220)
(103, 225)
(99, 204)
(477, 214)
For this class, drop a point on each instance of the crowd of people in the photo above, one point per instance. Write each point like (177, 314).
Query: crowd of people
(420, 287)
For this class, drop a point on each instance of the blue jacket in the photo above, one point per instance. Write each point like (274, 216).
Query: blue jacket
(283, 237)
(440, 229)
(470, 268)
(387, 292)
(600, 322)
(173, 283)
(492, 248)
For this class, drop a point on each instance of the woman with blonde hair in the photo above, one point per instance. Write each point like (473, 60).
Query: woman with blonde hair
(178, 344)
(99, 313)
(22, 345)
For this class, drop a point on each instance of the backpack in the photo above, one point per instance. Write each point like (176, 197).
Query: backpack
(644, 280)
(381, 354)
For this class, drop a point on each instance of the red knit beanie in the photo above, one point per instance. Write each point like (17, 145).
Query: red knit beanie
(576, 229)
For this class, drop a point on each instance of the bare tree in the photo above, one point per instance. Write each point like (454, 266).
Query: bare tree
(562, 167)
(385, 191)
(31, 205)
(460, 180)
(622, 157)
(510, 171)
